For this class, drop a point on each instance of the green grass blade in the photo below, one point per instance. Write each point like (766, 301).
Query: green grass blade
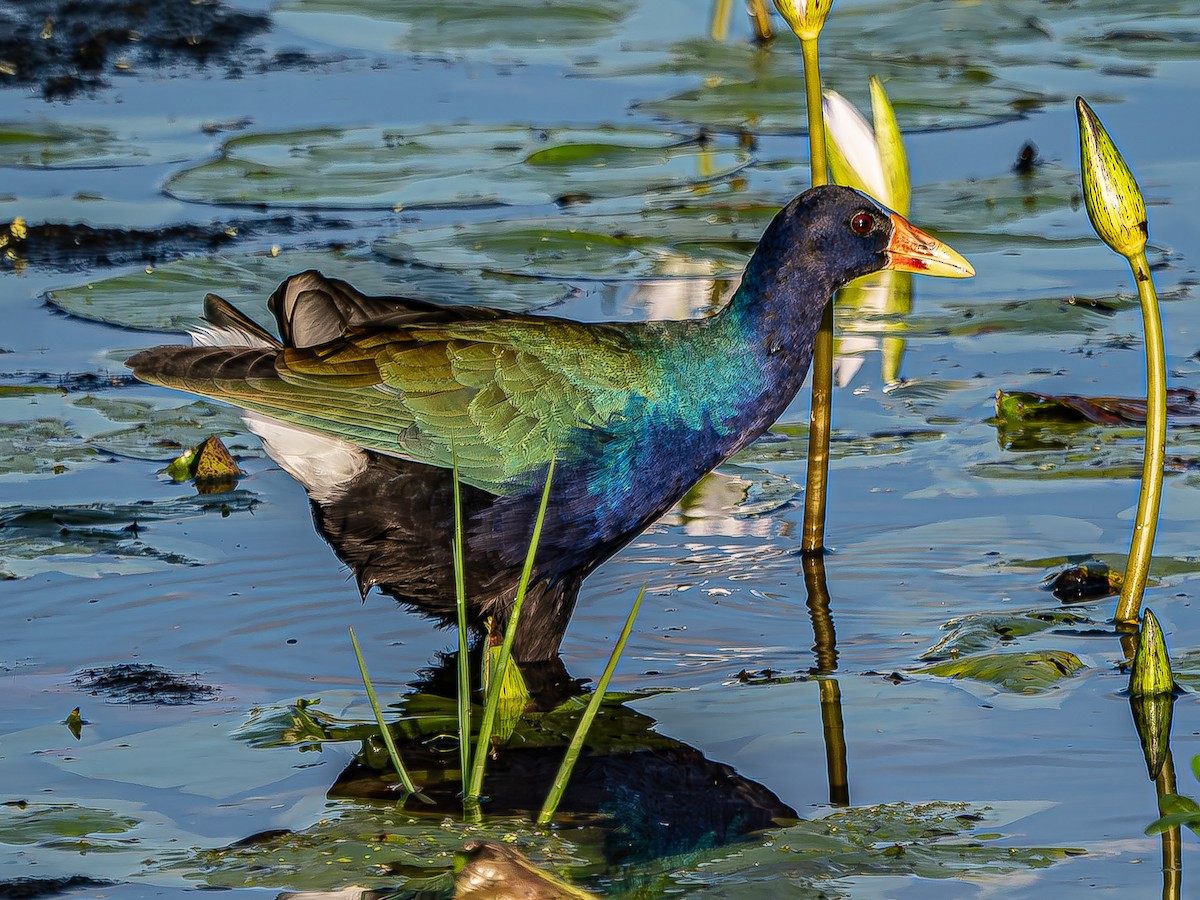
(494, 689)
(585, 722)
(464, 663)
(383, 729)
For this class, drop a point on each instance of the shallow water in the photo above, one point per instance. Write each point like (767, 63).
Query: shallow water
(931, 518)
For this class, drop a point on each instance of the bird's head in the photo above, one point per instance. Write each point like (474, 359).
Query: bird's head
(847, 234)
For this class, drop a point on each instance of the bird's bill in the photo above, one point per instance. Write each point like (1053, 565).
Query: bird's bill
(912, 250)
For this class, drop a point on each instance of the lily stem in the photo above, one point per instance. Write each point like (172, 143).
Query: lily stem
(1150, 497)
(816, 486)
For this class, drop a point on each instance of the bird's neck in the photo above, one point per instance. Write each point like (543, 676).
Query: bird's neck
(775, 313)
(759, 347)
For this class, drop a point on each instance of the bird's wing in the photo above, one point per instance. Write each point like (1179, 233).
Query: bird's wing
(505, 396)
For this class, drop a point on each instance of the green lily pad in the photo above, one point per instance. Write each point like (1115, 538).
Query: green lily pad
(44, 446)
(688, 242)
(714, 237)
(987, 63)
(1082, 450)
(62, 826)
(1028, 672)
(381, 847)
(90, 540)
(1037, 316)
(750, 89)
(375, 846)
(399, 168)
(935, 840)
(57, 145)
(1186, 669)
(1015, 408)
(170, 297)
(473, 27)
(161, 434)
(972, 634)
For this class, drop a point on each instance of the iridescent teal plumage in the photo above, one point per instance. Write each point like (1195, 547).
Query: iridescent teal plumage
(634, 413)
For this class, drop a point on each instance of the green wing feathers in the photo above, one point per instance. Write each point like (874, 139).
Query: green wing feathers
(507, 396)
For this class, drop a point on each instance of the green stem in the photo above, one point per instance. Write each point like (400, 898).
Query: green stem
(585, 721)
(818, 164)
(464, 662)
(1137, 570)
(817, 477)
(393, 753)
(494, 689)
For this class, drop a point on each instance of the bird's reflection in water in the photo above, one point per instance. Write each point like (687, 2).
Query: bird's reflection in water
(652, 795)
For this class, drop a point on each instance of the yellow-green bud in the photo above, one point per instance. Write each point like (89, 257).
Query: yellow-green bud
(1114, 201)
(805, 17)
(1151, 670)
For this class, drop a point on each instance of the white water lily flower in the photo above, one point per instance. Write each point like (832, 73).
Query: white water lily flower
(805, 17)
(868, 159)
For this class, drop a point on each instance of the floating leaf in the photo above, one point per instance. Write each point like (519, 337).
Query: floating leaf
(688, 242)
(170, 297)
(405, 168)
(160, 434)
(498, 28)
(42, 447)
(749, 89)
(1028, 672)
(971, 634)
(59, 145)
(62, 826)
(1176, 810)
(90, 540)
(935, 840)
(1014, 408)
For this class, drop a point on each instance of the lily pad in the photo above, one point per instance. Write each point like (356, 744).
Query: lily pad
(946, 65)
(44, 446)
(712, 237)
(749, 89)
(57, 145)
(380, 847)
(161, 434)
(170, 297)
(62, 826)
(399, 168)
(473, 27)
(1015, 408)
(971, 634)
(1037, 316)
(375, 846)
(90, 540)
(935, 840)
(1028, 672)
(682, 242)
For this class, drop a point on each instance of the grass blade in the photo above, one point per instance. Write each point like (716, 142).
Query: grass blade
(464, 663)
(585, 722)
(393, 753)
(494, 689)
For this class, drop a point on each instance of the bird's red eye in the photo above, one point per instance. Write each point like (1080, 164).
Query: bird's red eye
(861, 223)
